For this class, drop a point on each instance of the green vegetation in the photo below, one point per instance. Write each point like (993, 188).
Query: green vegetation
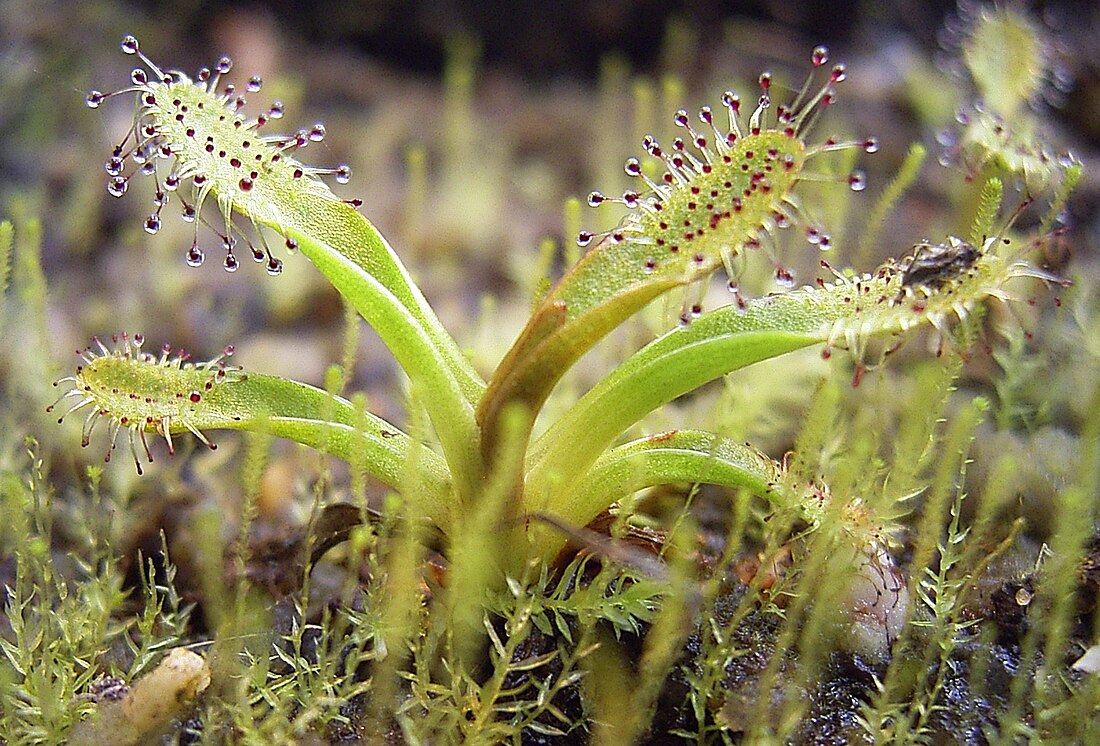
(539, 568)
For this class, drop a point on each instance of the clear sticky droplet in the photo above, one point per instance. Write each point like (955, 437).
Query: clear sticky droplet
(129, 44)
(231, 264)
(255, 83)
(342, 173)
(139, 76)
(857, 181)
(595, 199)
(94, 99)
(819, 56)
(195, 257)
(274, 266)
(152, 224)
(317, 132)
(116, 186)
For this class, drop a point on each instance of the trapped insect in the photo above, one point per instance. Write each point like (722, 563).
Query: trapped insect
(935, 265)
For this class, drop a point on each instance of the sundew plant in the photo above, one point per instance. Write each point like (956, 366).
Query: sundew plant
(511, 565)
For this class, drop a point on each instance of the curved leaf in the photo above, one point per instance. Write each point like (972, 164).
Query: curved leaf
(846, 313)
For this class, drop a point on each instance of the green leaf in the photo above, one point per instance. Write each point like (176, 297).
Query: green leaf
(847, 313)
(143, 393)
(691, 456)
(713, 203)
(245, 172)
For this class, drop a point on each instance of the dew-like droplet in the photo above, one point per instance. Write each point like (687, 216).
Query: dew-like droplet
(255, 83)
(631, 199)
(595, 199)
(188, 213)
(277, 110)
(870, 145)
(584, 238)
(116, 186)
(342, 174)
(152, 224)
(317, 132)
(114, 166)
(195, 257)
(231, 264)
(172, 181)
(819, 56)
(783, 277)
(274, 266)
(765, 80)
(680, 118)
(224, 65)
(291, 244)
(857, 181)
(129, 44)
(632, 167)
(94, 99)
(839, 73)
(139, 76)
